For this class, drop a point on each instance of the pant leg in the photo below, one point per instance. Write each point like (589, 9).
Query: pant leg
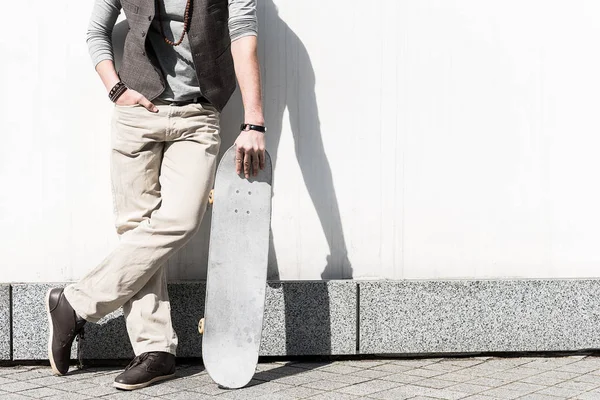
(186, 176)
(148, 317)
(134, 201)
(147, 313)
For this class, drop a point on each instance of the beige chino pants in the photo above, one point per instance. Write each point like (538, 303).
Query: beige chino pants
(162, 169)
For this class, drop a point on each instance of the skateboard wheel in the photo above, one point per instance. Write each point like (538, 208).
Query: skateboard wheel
(211, 196)
(201, 326)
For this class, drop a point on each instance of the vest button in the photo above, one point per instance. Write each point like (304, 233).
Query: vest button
(143, 33)
(143, 53)
(149, 17)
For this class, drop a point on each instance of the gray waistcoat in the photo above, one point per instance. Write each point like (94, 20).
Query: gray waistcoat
(210, 43)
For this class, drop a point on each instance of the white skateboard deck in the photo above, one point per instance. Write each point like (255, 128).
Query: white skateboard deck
(237, 272)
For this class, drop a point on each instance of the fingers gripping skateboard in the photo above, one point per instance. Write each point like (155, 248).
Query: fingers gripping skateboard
(211, 196)
(201, 326)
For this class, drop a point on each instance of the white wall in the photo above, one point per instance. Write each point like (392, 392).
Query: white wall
(428, 139)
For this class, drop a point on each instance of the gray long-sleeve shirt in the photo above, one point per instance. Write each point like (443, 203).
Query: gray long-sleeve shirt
(175, 61)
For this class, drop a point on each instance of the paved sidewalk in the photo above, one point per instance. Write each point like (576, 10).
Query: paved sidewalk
(475, 378)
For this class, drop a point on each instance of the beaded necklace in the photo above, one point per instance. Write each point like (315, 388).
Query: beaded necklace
(186, 20)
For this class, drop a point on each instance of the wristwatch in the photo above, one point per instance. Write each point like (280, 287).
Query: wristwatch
(251, 127)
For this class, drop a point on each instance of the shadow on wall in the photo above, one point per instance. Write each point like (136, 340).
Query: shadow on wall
(288, 83)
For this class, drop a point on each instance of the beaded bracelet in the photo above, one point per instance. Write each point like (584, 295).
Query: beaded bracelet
(117, 91)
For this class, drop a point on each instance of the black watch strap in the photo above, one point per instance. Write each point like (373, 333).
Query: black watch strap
(251, 127)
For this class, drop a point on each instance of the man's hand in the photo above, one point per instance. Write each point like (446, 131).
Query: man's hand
(131, 97)
(250, 152)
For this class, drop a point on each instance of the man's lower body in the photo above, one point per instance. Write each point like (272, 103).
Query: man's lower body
(162, 169)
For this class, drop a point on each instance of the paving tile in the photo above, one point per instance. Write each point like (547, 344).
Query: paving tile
(403, 378)
(369, 363)
(410, 391)
(335, 380)
(434, 383)
(538, 396)
(18, 386)
(333, 396)
(445, 367)
(422, 398)
(325, 385)
(210, 389)
(523, 387)
(73, 386)
(478, 370)
(426, 373)
(525, 371)
(395, 368)
(68, 396)
(159, 390)
(99, 390)
(255, 391)
(455, 377)
(297, 392)
(591, 395)
(41, 392)
(466, 361)
(348, 378)
(188, 382)
(369, 387)
(580, 367)
(590, 378)
(9, 371)
(468, 388)
(507, 375)
(340, 369)
(13, 396)
(134, 395)
(488, 381)
(30, 374)
(578, 385)
(184, 395)
(4, 380)
(561, 391)
(416, 363)
(371, 373)
(549, 378)
(293, 380)
(551, 363)
(502, 393)
(308, 365)
(48, 380)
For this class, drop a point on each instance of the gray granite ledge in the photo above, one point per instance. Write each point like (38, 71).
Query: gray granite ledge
(320, 318)
(5, 322)
(463, 316)
(30, 325)
(301, 318)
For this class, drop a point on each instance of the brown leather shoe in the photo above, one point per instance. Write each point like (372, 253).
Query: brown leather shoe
(146, 369)
(64, 327)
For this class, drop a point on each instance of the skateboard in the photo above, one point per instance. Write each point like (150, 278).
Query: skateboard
(237, 272)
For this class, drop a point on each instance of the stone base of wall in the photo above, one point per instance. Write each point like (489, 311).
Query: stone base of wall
(349, 318)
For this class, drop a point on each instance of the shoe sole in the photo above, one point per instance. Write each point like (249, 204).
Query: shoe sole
(51, 336)
(124, 386)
